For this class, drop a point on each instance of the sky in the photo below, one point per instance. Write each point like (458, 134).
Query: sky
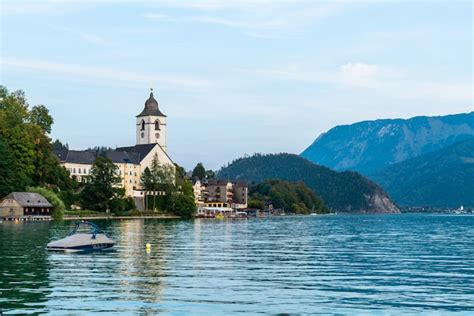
(235, 77)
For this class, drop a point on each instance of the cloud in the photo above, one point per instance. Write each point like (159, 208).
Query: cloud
(358, 74)
(99, 73)
(382, 81)
(256, 18)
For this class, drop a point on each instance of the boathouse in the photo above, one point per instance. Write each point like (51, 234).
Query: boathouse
(25, 205)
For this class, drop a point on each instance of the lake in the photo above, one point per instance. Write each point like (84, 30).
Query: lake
(372, 264)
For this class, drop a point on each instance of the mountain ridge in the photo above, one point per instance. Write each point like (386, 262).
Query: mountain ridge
(368, 146)
(341, 191)
(443, 178)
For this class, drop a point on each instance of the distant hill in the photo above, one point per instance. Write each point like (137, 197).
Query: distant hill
(372, 145)
(341, 191)
(443, 178)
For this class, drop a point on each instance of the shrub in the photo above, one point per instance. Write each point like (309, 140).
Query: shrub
(182, 205)
(52, 197)
(121, 206)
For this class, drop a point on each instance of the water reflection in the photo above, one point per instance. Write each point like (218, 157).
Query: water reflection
(327, 264)
(24, 273)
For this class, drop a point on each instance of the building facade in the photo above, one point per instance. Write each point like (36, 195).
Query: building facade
(132, 160)
(25, 205)
(221, 192)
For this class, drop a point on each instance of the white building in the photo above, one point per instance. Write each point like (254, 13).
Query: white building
(131, 161)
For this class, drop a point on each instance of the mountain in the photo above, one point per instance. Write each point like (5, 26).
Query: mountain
(444, 178)
(341, 191)
(372, 145)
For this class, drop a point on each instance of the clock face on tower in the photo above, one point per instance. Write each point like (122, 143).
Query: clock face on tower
(143, 135)
(157, 135)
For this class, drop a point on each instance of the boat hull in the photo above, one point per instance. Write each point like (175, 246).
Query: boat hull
(81, 243)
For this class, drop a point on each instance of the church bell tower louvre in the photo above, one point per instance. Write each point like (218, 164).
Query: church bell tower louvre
(151, 124)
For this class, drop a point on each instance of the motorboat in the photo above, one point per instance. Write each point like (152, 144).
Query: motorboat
(76, 241)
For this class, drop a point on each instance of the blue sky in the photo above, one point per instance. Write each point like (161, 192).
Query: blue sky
(235, 77)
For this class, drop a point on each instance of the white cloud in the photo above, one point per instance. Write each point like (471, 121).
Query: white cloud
(359, 74)
(256, 18)
(382, 81)
(98, 73)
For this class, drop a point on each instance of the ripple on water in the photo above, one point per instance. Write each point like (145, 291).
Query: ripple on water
(345, 264)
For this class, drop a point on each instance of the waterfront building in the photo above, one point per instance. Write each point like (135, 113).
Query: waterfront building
(25, 205)
(213, 191)
(199, 191)
(132, 160)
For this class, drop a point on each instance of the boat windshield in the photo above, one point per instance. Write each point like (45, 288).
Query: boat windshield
(91, 228)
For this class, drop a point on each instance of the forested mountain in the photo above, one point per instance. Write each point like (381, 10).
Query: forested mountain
(291, 197)
(373, 145)
(341, 191)
(444, 178)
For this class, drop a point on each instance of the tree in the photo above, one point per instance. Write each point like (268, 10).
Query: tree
(210, 174)
(163, 176)
(146, 180)
(58, 145)
(199, 171)
(182, 205)
(7, 173)
(52, 198)
(292, 197)
(24, 133)
(39, 115)
(101, 190)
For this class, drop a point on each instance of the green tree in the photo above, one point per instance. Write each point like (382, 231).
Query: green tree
(162, 175)
(199, 171)
(7, 174)
(101, 190)
(58, 145)
(292, 197)
(210, 174)
(182, 205)
(39, 115)
(53, 198)
(146, 180)
(25, 134)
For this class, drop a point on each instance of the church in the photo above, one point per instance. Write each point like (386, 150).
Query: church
(131, 161)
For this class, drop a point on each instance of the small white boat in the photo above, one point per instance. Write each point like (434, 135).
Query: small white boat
(75, 242)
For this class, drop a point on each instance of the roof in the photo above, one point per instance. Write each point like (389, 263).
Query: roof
(85, 157)
(151, 107)
(61, 154)
(219, 182)
(141, 151)
(119, 156)
(29, 199)
(240, 184)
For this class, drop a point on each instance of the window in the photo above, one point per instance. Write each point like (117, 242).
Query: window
(78, 170)
(85, 171)
(157, 125)
(73, 170)
(143, 125)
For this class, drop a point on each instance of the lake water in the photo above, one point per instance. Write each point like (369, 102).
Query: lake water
(372, 264)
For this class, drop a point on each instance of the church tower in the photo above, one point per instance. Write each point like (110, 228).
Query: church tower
(151, 124)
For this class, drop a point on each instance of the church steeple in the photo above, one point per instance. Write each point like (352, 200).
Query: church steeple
(151, 107)
(151, 124)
